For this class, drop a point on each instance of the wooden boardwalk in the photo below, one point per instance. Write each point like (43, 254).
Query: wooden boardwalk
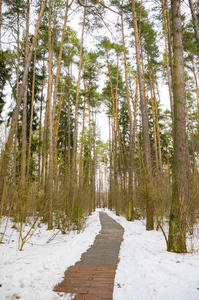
(93, 276)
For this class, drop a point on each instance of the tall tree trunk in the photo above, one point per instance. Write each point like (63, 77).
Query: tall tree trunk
(56, 131)
(110, 202)
(81, 160)
(31, 117)
(167, 46)
(115, 139)
(77, 94)
(94, 166)
(191, 133)
(76, 113)
(177, 222)
(157, 121)
(130, 208)
(45, 147)
(69, 137)
(153, 115)
(169, 41)
(145, 126)
(59, 64)
(81, 171)
(17, 95)
(50, 133)
(8, 146)
(15, 156)
(195, 21)
(90, 147)
(56, 90)
(192, 210)
(197, 95)
(24, 125)
(114, 104)
(114, 124)
(41, 162)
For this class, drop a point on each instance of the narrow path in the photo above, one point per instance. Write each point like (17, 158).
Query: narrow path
(93, 276)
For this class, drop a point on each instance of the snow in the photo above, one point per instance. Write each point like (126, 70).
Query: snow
(145, 269)
(33, 272)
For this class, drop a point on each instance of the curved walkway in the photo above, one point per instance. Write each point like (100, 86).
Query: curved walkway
(93, 276)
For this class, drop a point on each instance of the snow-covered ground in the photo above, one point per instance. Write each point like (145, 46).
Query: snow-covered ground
(145, 270)
(31, 274)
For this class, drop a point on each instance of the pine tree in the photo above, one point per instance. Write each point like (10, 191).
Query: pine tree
(181, 172)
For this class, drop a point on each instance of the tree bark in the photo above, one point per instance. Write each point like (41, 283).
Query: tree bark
(76, 113)
(56, 131)
(31, 117)
(145, 126)
(130, 208)
(50, 132)
(153, 115)
(41, 161)
(177, 222)
(167, 47)
(77, 94)
(69, 136)
(114, 103)
(54, 136)
(94, 167)
(157, 122)
(81, 169)
(197, 95)
(59, 64)
(17, 95)
(24, 125)
(110, 200)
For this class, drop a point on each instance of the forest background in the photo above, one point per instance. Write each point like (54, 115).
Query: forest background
(54, 166)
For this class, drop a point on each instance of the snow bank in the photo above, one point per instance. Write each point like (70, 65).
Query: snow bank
(32, 273)
(147, 271)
